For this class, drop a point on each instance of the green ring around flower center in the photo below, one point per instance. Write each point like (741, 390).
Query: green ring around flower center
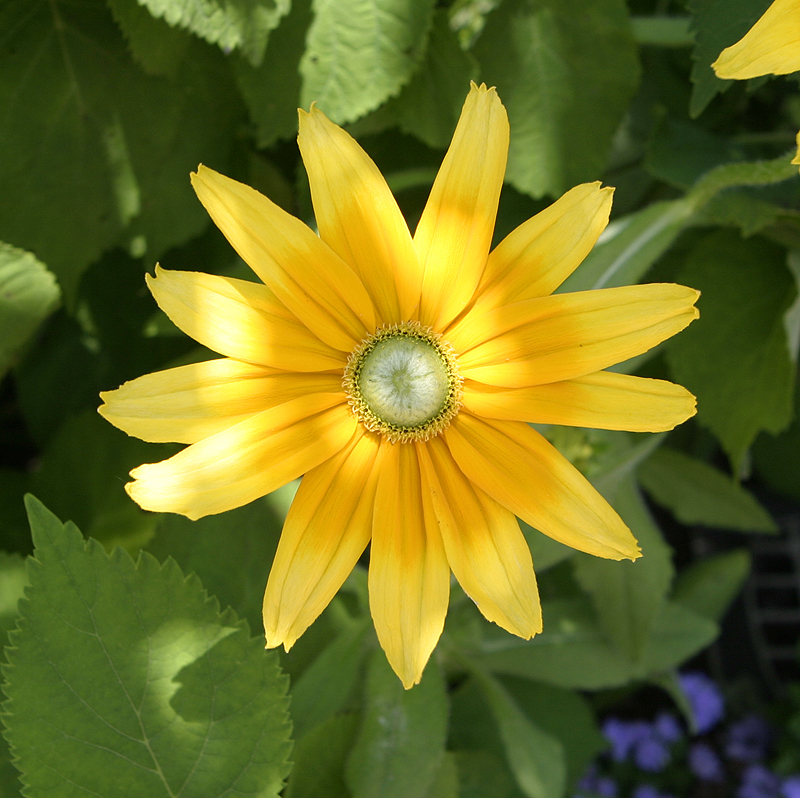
(403, 382)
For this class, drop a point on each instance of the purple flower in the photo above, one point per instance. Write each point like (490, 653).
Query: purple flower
(748, 739)
(592, 782)
(791, 786)
(648, 791)
(667, 727)
(651, 754)
(758, 782)
(624, 735)
(705, 764)
(704, 698)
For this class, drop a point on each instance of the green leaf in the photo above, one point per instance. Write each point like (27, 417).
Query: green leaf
(361, 52)
(125, 680)
(325, 686)
(231, 552)
(698, 493)
(709, 586)
(717, 24)
(483, 775)
(28, 295)
(82, 474)
(319, 760)
(400, 745)
(445, 783)
(735, 358)
(230, 24)
(628, 596)
(565, 70)
(13, 579)
(630, 246)
(272, 90)
(791, 318)
(429, 106)
(157, 46)
(536, 758)
(572, 651)
(677, 636)
(563, 714)
(95, 152)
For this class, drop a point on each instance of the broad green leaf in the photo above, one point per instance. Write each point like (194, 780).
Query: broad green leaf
(572, 651)
(739, 208)
(231, 553)
(536, 758)
(791, 319)
(319, 760)
(775, 456)
(96, 153)
(717, 24)
(157, 46)
(400, 744)
(125, 680)
(230, 24)
(735, 358)
(630, 246)
(565, 70)
(82, 474)
(13, 579)
(483, 775)
(698, 493)
(709, 586)
(28, 294)
(429, 106)
(563, 714)
(445, 783)
(662, 30)
(677, 636)
(362, 52)
(272, 89)
(628, 596)
(679, 152)
(325, 686)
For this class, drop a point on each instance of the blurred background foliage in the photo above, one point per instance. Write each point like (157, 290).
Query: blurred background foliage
(139, 671)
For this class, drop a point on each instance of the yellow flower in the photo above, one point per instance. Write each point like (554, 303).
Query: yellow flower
(771, 46)
(399, 375)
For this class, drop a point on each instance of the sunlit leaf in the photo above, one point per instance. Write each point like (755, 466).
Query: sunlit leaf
(361, 52)
(566, 70)
(125, 680)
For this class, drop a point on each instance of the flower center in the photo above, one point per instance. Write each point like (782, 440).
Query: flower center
(403, 382)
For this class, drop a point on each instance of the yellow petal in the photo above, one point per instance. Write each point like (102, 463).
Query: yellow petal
(772, 45)
(240, 319)
(327, 529)
(312, 281)
(409, 579)
(519, 469)
(246, 461)
(603, 400)
(189, 403)
(564, 336)
(455, 232)
(796, 159)
(534, 259)
(485, 547)
(358, 217)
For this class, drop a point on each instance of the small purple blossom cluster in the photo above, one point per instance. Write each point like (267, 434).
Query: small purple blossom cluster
(660, 759)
